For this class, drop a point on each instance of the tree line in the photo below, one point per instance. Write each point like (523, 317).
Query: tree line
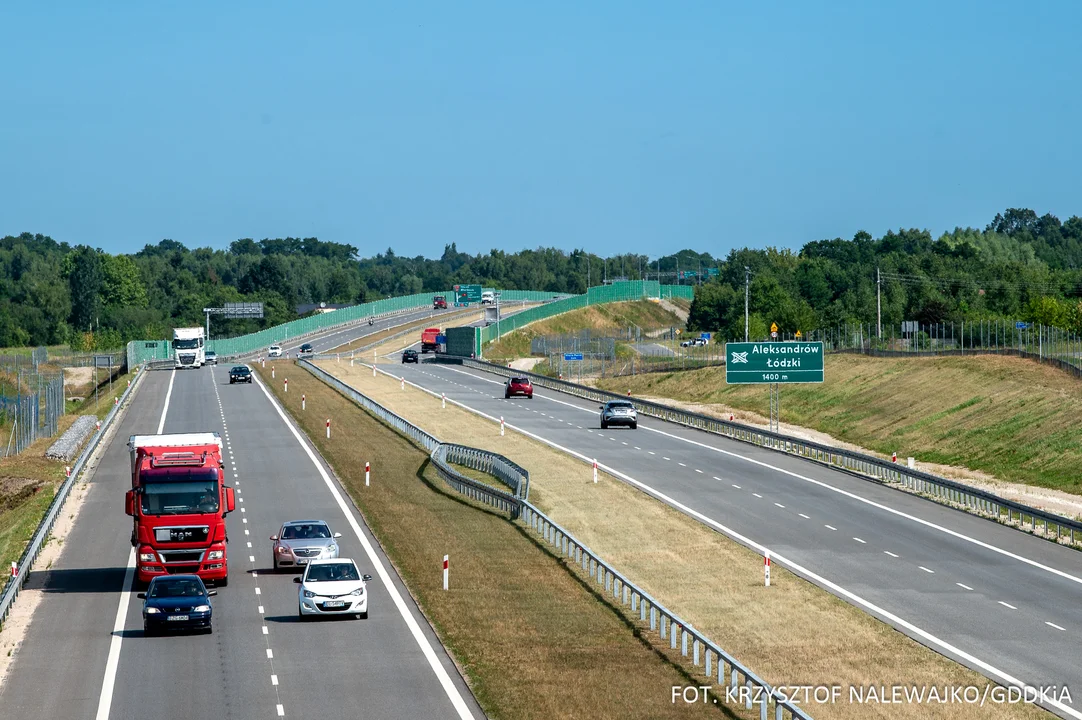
(1019, 267)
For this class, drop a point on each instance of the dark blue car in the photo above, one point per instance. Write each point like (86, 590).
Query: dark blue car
(176, 602)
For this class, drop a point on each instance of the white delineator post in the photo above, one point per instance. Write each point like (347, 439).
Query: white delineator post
(444, 571)
(285, 384)
(374, 359)
(116, 401)
(595, 470)
(501, 425)
(303, 397)
(766, 567)
(97, 426)
(367, 473)
(328, 428)
(402, 380)
(272, 372)
(443, 400)
(338, 357)
(912, 463)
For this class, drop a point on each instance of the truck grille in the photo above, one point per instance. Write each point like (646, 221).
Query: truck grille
(181, 556)
(187, 359)
(182, 569)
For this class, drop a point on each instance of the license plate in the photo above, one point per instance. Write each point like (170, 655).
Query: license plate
(334, 603)
(302, 561)
(171, 618)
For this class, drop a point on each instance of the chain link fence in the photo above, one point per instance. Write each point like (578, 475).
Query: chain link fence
(30, 408)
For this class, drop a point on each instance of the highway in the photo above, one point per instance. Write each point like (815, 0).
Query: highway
(1002, 602)
(85, 656)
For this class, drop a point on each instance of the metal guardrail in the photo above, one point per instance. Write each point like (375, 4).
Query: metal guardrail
(704, 653)
(33, 549)
(1045, 524)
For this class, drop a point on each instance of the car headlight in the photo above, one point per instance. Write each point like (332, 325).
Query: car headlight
(283, 549)
(152, 611)
(309, 594)
(215, 554)
(358, 591)
(147, 557)
(332, 548)
(201, 608)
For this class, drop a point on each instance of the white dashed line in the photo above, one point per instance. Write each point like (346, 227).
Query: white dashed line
(830, 527)
(804, 516)
(251, 558)
(888, 552)
(926, 569)
(261, 612)
(1007, 605)
(862, 542)
(265, 630)
(636, 447)
(274, 679)
(249, 543)
(698, 471)
(757, 495)
(1052, 624)
(680, 463)
(281, 711)
(651, 452)
(735, 486)
(965, 587)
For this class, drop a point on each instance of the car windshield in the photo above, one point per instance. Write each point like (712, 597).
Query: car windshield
(176, 588)
(210, 353)
(332, 572)
(520, 381)
(305, 532)
(190, 492)
(239, 371)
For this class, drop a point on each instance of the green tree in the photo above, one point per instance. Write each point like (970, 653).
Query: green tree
(85, 278)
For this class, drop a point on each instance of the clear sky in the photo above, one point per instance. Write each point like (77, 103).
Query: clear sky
(613, 126)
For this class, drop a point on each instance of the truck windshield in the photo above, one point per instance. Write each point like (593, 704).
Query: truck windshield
(180, 498)
(190, 344)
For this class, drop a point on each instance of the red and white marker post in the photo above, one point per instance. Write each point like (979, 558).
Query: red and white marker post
(116, 402)
(15, 571)
(302, 401)
(367, 473)
(285, 384)
(766, 567)
(443, 400)
(402, 380)
(328, 428)
(67, 471)
(97, 426)
(501, 425)
(894, 457)
(272, 372)
(444, 572)
(595, 470)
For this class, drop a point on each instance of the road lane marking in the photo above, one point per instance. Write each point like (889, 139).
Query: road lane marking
(757, 495)
(888, 552)
(804, 516)
(830, 527)
(926, 569)
(1007, 605)
(1052, 624)
(105, 699)
(862, 542)
(419, 637)
(966, 587)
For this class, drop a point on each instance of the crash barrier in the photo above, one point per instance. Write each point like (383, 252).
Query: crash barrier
(715, 663)
(37, 542)
(1045, 524)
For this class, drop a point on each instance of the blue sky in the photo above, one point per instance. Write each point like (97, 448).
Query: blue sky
(612, 126)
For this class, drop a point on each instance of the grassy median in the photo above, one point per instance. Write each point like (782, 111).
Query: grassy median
(442, 320)
(533, 640)
(793, 633)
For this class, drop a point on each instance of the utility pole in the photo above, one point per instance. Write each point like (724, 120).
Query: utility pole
(878, 305)
(747, 285)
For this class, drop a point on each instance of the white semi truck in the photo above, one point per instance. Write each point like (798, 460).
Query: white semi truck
(188, 347)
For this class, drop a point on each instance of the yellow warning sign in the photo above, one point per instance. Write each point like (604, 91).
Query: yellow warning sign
(773, 327)
(797, 333)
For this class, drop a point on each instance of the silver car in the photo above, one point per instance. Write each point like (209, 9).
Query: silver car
(301, 541)
(619, 412)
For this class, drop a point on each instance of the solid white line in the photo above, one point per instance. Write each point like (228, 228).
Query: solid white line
(888, 552)
(165, 408)
(828, 486)
(105, 699)
(1052, 624)
(862, 542)
(966, 587)
(926, 569)
(418, 635)
(1007, 605)
(987, 668)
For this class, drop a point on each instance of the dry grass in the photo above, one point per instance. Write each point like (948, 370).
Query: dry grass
(442, 320)
(792, 633)
(1011, 418)
(609, 318)
(532, 639)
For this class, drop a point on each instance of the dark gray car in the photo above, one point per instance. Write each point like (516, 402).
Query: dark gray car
(301, 541)
(619, 412)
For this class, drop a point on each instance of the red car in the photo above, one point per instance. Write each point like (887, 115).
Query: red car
(518, 386)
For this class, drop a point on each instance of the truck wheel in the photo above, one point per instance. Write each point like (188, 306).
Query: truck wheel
(223, 582)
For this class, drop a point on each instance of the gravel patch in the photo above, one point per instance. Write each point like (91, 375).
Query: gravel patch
(67, 445)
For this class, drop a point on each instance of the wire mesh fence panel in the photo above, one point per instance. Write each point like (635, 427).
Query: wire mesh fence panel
(30, 410)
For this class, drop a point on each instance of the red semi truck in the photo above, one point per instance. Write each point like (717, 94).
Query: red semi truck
(439, 302)
(430, 340)
(179, 501)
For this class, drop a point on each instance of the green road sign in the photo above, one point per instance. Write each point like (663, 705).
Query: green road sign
(773, 362)
(467, 294)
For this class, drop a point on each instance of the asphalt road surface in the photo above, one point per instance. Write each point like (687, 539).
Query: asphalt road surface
(260, 662)
(1005, 603)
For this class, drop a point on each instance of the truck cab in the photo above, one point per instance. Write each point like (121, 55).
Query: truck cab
(430, 340)
(178, 503)
(188, 347)
(439, 302)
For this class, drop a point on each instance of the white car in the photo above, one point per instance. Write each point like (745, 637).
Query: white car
(274, 351)
(332, 586)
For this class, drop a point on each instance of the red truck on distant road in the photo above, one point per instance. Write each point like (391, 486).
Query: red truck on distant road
(439, 302)
(430, 340)
(179, 501)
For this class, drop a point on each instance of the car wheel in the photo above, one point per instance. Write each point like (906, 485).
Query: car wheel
(147, 630)
(530, 396)
(507, 396)
(604, 426)
(210, 629)
(634, 426)
(362, 616)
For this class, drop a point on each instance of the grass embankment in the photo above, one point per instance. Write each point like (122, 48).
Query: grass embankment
(28, 481)
(605, 319)
(533, 641)
(793, 633)
(1009, 417)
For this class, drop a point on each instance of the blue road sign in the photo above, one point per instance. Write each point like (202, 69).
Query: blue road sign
(704, 335)
(572, 356)
(1021, 326)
